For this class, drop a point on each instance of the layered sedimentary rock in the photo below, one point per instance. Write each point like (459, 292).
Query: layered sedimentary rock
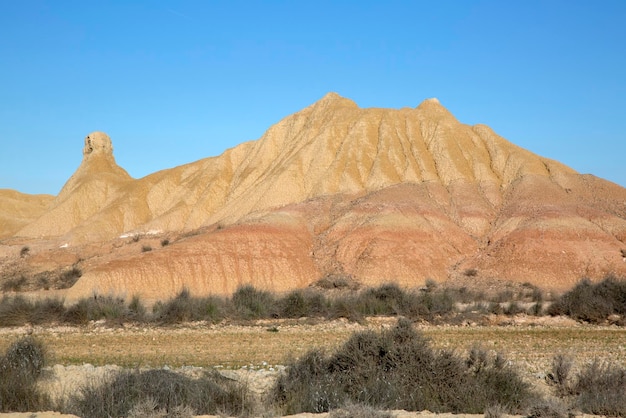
(375, 194)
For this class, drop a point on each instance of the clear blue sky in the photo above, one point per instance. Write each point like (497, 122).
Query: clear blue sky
(175, 81)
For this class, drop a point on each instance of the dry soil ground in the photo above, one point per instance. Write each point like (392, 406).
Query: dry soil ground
(254, 352)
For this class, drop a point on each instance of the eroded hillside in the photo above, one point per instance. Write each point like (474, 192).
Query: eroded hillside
(375, 194)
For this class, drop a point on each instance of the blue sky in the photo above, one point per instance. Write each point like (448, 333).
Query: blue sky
(175, 81)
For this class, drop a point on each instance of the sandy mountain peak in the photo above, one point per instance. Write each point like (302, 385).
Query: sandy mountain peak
(98, 143)
(376, 194)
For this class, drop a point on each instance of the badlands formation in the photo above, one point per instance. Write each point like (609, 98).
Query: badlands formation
(376, 195)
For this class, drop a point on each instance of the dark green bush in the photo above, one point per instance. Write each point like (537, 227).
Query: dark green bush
(20, 368)
(397, 369)
(591, 302)
(165, 390)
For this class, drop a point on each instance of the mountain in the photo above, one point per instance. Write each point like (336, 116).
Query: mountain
(372, 194)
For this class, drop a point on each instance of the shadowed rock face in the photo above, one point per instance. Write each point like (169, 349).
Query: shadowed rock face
(378, 194)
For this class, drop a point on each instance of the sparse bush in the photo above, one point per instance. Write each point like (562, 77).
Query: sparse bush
(20, 368)
(471, 272)
(99, 307)
(495, 308)
(303, 303)
(345, 307)
(24, 251)
(69, 277)
(559, 376)
(184, 308)
(495, 411)
(46, 311)
(513, 308)
(592, 303)
(600, 389)
(250, 303)
(359, 411)
(387, 299)
(146, 248)
(43, 283)
(397, 369)
(165, 242)
(536, 309)
(136, 309)
(15, 284)
(548, 408)
(336, 281)
(15, 311)
(163, 391)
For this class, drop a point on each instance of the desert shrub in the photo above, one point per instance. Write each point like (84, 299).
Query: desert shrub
(495, 308)
(165, 391)
(43, 282)
(359, 411)
(390, 300)
(136, 310)
(185, 308)
(435, 303)
(69, 277)
(506, 295)
(46, 311)
(24, 251)
(15, 311)
(96, 308)
(536, 309)
(336, 281)
(548, 408)
(465, 295)
(397, 369)
(146, 248)
(387, 299)
(513, 308)
(251, 303)
(345, 307)
(495, 411)
(15, 284)
(20, 367)
(559, 375)
(302, 303)
(592, 303)
(600, 389)
(165, 242)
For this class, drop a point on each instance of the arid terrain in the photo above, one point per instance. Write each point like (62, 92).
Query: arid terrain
(332, 193)
(255, 353)
(376, 195)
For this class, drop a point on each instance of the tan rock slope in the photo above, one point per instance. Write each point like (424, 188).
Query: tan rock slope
(375, 194)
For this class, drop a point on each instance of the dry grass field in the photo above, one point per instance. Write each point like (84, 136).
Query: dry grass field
(530, 345)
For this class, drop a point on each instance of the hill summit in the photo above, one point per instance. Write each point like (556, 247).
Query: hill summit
(372, 194)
